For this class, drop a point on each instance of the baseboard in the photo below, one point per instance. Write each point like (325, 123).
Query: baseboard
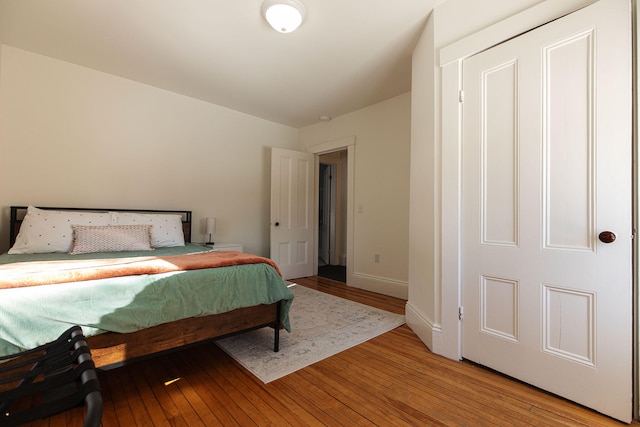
(381, 285)
(429, 334)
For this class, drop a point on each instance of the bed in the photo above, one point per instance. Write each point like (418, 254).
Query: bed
(145, 291)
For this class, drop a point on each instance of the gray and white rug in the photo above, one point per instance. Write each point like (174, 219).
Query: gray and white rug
(321, 325)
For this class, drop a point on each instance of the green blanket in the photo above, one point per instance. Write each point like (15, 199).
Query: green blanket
(35, 315)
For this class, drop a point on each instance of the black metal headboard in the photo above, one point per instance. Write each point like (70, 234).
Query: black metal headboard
(18, 213)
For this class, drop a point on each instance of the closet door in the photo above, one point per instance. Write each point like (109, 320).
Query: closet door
(547, 227)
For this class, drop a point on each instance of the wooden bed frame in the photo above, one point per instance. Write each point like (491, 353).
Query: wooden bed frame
(112, 349)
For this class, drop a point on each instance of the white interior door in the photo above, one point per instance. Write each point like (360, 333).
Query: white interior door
(292, 212)
(546, 169)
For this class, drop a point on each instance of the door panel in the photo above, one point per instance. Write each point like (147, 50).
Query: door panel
(499, 156)
(568, 143)
(546, 168)
(292, 212)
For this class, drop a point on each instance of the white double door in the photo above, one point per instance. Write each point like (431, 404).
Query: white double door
(546, 169)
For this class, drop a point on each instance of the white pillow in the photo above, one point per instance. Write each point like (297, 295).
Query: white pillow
(111, 238)
(44, 231)
(166, 229)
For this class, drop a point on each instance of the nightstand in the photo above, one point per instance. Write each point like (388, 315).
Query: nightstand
(225, 246)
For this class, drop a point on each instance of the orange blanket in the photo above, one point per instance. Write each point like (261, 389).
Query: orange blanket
(51, 272)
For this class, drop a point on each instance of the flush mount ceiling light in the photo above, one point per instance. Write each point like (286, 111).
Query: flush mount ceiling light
(283, 15)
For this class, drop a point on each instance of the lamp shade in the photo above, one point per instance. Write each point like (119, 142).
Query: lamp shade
(284, 16)
(210, 227)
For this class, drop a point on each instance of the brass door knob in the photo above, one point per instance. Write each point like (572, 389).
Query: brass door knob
(607, 237)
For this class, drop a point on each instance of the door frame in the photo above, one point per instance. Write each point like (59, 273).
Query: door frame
(347, 143)
(449, 65)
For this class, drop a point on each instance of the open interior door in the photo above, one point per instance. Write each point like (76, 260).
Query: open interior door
(292, 242)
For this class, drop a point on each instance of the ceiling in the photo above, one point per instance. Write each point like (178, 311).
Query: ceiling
(348, 54)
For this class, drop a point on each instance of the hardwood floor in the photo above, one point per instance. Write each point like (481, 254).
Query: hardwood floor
(390, 380)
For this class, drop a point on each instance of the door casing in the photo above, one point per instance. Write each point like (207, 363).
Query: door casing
(346, 143)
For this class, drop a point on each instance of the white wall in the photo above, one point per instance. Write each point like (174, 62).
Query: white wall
(381, 188)
(73, 136)
(424, 220)
(455, 28)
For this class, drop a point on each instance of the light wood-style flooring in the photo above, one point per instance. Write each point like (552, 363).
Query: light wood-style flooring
(392, 380)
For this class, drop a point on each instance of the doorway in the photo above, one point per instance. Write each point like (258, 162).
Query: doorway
(332, 215)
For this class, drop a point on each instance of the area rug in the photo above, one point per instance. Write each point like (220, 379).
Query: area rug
(321, 325)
